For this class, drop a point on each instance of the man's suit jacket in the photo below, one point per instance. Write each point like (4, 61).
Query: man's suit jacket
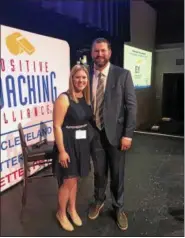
(119, 112)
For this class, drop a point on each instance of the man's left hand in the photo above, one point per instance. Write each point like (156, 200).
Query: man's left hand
(126, 143)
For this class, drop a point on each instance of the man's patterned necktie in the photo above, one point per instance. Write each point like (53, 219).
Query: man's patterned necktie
(99, 101)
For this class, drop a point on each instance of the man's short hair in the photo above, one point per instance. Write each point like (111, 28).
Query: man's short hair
(101, 40)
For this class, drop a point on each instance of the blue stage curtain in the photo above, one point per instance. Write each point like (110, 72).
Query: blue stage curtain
(112, 16)
(30, 15)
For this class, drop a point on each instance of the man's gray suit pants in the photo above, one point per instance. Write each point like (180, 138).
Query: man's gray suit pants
(105, 156)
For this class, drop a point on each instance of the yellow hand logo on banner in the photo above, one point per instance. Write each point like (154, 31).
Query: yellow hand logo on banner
(18, 44)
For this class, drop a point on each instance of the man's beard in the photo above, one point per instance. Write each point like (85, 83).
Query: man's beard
(100, 64)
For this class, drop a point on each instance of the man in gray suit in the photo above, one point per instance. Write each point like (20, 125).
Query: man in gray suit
(114, 106)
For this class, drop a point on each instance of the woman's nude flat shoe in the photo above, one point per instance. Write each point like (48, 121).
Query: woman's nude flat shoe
(66, 225)
(76, 219)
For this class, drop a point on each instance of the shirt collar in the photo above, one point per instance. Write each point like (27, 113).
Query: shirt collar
(105, 71)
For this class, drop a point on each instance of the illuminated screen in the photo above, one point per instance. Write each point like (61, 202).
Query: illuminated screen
(139, 62)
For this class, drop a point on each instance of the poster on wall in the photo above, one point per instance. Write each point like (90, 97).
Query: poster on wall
(34, 71)
(139, 62)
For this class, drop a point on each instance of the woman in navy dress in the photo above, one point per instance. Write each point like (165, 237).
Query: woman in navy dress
(71, 116)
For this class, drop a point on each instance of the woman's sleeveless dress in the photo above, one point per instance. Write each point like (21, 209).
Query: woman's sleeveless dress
(76, 141)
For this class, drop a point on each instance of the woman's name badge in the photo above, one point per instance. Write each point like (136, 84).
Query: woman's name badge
(80, 134)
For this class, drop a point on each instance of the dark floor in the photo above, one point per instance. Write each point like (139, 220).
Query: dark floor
(154, 184)
(172, 127)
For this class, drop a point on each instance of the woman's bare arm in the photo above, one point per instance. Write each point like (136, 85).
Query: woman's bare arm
(60, 109)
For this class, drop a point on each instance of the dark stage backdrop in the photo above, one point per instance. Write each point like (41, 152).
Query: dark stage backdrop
(76, 21)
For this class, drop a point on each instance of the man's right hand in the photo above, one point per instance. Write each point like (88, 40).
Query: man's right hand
(64, 159)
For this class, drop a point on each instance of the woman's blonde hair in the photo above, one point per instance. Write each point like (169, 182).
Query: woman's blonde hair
(71, 90)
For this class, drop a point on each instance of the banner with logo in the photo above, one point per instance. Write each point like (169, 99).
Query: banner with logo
(34, 71)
